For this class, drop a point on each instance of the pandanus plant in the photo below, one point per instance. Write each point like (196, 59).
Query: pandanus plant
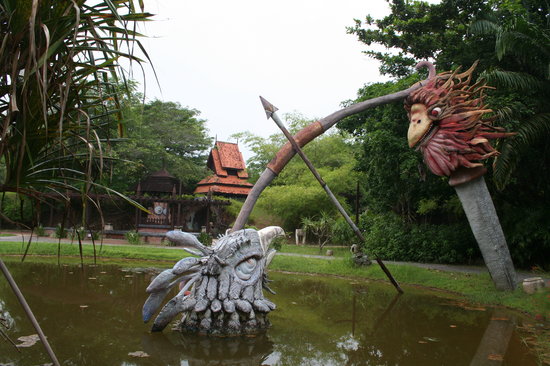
(59, 72)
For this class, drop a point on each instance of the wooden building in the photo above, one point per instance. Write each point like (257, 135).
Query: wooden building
(230, 176)
(160, 193)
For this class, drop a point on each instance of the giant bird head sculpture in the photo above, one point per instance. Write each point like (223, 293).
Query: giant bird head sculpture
(448, 122)
(221, 288)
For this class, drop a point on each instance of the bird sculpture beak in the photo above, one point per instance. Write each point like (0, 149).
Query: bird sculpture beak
(419, 124)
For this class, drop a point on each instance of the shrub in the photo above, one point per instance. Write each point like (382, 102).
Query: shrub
(277, 243)
(321, 227)
(132, 237)
(387, 236)
(39, 231)
(60, 231)
(95, 235)
(205, 238)
(342, 233)
(78, 233)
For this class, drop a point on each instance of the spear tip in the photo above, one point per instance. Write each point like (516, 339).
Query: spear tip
(268, 107)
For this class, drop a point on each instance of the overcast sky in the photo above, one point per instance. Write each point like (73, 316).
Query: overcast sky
(220, 56)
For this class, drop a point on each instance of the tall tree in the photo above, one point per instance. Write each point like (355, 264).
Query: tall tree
(417, 30)
(160, 135)
(522, 46)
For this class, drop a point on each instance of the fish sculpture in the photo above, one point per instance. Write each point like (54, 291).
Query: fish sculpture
(221, 287)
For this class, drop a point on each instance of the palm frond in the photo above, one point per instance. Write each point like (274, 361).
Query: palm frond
(59, 76)
(531, 131)
(484, 27)
(511, 80)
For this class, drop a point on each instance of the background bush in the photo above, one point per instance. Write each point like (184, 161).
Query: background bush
(11, 208)
(132, 237)
(388, 236)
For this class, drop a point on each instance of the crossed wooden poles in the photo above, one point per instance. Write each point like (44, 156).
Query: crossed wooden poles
(270, 110)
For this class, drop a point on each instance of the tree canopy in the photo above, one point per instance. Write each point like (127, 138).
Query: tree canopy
(160, 135)
(510, 40)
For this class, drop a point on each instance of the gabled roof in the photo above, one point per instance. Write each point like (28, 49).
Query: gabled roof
(226, 185)
(230, 174)
(226, 155)
(159, 182)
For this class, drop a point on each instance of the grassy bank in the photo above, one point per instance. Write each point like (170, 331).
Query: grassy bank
(476, 288)
(106, 251)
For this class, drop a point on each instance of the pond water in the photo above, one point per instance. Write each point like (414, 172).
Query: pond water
(92, 316)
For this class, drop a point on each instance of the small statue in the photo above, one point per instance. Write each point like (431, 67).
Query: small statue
(221, 290)
(359, 258)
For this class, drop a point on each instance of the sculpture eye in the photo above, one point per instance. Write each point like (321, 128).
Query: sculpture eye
(435, 112)
(245, 269)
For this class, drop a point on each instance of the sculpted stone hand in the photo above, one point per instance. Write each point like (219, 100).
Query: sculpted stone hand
(221, 291)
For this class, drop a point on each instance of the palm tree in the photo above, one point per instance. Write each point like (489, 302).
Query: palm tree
(524, 46)
(59, 70)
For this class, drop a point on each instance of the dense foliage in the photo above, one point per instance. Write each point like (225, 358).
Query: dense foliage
(510, 38)
(159, 135)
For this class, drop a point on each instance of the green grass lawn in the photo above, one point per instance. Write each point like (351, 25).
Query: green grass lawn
(106, 251)
(476, 288)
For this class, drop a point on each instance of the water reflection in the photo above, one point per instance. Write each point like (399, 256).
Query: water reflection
(173, 348)
(495, 341)
(92, 317)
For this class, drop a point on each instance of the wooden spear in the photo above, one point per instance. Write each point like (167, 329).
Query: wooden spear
(270, 110)
(29, 312)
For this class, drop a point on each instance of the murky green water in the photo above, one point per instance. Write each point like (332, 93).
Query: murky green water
(92, 316)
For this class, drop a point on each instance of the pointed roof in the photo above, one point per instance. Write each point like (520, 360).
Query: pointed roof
(224, 156)
(230, 174)
(159, 182)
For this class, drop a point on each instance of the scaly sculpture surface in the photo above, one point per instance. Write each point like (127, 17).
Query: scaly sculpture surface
(221, 290)
(447, 124)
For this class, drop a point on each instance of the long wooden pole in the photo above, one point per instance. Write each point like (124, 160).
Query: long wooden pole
(28, 311)
(270, 111)
(311, 131)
